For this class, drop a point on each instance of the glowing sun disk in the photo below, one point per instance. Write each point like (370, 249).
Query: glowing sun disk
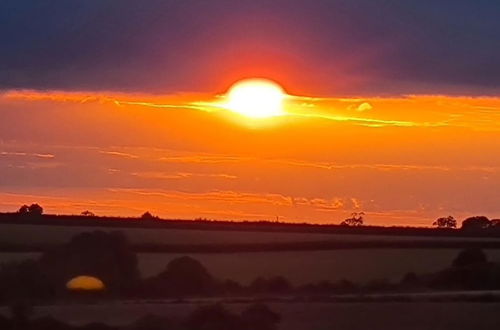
(256, 98)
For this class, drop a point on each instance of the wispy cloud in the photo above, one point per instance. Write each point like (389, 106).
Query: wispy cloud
(27, 154)
(236, 197)
(182, 175)
(205, 159)
(118, 154)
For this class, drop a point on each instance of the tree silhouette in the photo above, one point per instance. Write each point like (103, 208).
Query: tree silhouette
(445, 222)
(87, 213)
(148, 216)
(23, 209)
(356, 219)
(34, 210)
(476, 223)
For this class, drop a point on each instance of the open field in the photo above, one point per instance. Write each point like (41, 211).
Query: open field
(58, 234)
(34, 234)
(307, 316)
(301, 267)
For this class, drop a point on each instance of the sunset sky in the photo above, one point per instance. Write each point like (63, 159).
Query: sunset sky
(391, 108)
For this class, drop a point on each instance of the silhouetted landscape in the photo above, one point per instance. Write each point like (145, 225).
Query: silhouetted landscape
(102, 266)
(107, 257)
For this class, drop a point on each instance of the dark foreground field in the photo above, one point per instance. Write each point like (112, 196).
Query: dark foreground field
(307, 316)
(376, 263)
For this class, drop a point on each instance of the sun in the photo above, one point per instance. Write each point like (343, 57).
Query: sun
(256, 98)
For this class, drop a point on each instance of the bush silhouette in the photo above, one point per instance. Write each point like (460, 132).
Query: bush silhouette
(355, 220)
(213, 317)
(24, 280)
(87, 213)
(97, 326)
(476, 223)
(470, 270)
(208, 317)
(469, 257)
(216, 317)
(183, 276)
(34, 210)
(260, 317)
(326, 287)
(275, 285)
(104, 255)
(410, 281)
(152, 322)
(148, 216)
(49, 323)
(5, 323)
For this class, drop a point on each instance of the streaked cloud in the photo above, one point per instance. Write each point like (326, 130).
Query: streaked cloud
(182, 175)
(419, 110)
(25, 154)
(118, 154)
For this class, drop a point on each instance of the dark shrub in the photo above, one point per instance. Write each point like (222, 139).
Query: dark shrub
(469, 257)
(476, 223)
(260, 317)
(23, 280)
(213, 317)
(445, 222)
(275, 285)
(5, 323)
(49, 323)
(151, 322)
(470, 271)
(105, 255)
(98, 326)
(183, 276)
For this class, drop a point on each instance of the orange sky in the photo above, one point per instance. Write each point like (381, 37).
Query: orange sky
(401, 160)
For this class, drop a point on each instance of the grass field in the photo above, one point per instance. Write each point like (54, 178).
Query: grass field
(12, 233)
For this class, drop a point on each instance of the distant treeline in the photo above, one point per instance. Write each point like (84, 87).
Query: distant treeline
(479, 228)
(279, 246)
